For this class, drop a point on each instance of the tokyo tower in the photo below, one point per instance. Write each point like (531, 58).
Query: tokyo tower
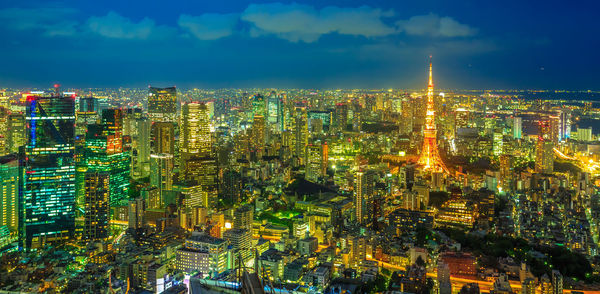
(430, 157)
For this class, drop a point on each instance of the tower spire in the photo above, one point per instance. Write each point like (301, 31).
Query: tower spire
(430, 157)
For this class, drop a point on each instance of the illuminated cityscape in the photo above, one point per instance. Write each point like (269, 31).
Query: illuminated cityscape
(299, 148)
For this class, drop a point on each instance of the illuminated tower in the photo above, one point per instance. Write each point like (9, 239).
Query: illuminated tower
(162, 104)
(430, 157)
(97, 214)
(48, 197)
(9, 192)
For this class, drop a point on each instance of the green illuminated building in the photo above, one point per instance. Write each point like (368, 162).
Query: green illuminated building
(48, 197)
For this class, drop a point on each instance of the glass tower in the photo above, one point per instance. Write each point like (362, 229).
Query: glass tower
(48, 196)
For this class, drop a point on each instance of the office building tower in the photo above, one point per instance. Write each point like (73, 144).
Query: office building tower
(231, 186)
(243, 217)
(97, 210)
(49, 185)
(340, 117)
(163, 138)
(316, 161)
(140, 153)
(364, 187)
(16, 133)
(161, 176)
(4, 113)
(258, 133)
(137, 212)
(275, 112)
(87, 112)
(9, 192)
(300, 133)
(162, 104)
(196, 138)
(517, 127)
(564, 131)
(104, 153)
(462, 117)
(544, 153)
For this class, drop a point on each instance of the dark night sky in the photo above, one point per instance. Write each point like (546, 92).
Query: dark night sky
(310, 44)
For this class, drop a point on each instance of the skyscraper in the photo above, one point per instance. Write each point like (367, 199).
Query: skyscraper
(316, 161)
(48, 214)
(517, 127)
(300, 133)
(9, 192)
(104, 153)
(195, 130)
(364, 187)
(97, 211)
(258, 133)
(195, 137)
(544, 153)
(163, 138)
(162, 104)
(161, 176)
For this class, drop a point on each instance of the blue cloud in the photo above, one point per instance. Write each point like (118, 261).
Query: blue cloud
(116, 26)
(297, 22)
(209, 26)
(435, 26)
(50, 21)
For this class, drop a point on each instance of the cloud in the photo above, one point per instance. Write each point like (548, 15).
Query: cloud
(434, 26)
(51, 21)
(116, 26)
(297, 22)
(209, 26)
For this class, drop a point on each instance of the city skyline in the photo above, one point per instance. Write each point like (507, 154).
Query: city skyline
(309, 44)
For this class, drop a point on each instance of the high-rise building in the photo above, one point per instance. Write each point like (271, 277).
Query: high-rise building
(104, 153)
(4, 113)
(564, 131)
(140, 153)
(162, 104)
(161, 176)
(163, 138)
(9, 192)
(544, 153)
(517, 127)
(316, 161)
(16, 133)
(137, 211)
(364, 187)
(258, 133)
(49, 186)
(196, 138)
(243, 217)
(300, 133)
(341, 117)
(231, 186)
(97, 209)
(275, 112)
